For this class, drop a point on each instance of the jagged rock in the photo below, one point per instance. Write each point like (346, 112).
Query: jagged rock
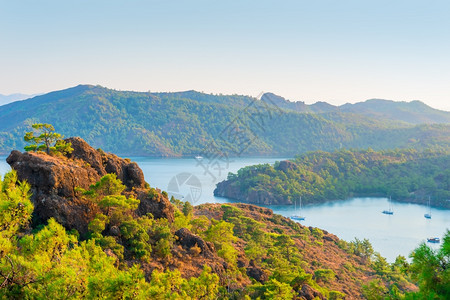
(54, 180)
(128, 172)
(331, 238)
(309, 293)
(187, 239)
(83, 151)
(156, 204)
(257, 272)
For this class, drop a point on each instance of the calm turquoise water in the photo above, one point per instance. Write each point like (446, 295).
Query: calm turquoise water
(390, 235)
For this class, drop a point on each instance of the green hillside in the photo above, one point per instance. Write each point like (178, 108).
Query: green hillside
(186, 123)
(320, 176)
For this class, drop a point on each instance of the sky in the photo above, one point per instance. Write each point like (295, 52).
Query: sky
(333, 51)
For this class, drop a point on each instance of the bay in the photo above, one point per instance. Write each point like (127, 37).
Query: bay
(391, 235)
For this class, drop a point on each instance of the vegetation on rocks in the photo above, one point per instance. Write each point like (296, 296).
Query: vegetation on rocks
(44, 137)
(135, 247)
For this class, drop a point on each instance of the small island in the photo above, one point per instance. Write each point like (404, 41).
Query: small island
(405, 175)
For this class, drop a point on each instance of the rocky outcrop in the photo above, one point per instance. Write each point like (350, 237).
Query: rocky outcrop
(309, 293)
(188, 240)
(257, 272)
(207, 255)
(54, 181)
(155, 203)
(128, 172)
(286, 165)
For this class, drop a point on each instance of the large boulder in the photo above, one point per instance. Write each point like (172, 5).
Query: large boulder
(54, 181)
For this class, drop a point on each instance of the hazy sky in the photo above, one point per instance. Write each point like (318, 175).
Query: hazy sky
(334, 51)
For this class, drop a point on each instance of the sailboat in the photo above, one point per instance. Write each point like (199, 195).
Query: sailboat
(428, 215)
(297, 217)
(389, 211)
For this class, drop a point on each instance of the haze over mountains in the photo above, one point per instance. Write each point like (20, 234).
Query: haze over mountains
(5, 99)
(414, 112)
(186, 123)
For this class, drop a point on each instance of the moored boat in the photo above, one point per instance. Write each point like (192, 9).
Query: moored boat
(434, 240)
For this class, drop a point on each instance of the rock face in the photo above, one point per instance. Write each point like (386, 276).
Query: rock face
(54, 179)
(286, 165)
(128, 172)
(154, 203)
(257, 273)
(309, 293)
(187, 239)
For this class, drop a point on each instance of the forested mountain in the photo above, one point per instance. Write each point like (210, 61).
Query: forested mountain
(189, 123)
(406, 175)
(414, 112)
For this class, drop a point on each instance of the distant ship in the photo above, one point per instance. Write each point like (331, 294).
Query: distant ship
(389, 211)
(198, 157)
(434, 240)
(428, 215)
(297, 217)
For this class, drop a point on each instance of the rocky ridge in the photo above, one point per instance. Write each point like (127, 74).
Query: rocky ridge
(54, 181)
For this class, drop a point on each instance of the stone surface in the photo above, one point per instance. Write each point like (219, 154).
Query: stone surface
(257, 272)
(309, 293)
(54, 181)
(187, 239)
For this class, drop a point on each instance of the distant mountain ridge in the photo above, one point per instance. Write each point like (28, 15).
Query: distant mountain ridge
(5, 99)
(187, 123)
(414, 112)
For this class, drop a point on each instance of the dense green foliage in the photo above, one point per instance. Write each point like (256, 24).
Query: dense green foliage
(319, 176)
(173, 124)
(50, 262)
(431, 269)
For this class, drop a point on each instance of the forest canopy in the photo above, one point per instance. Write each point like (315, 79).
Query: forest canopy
(405, 175)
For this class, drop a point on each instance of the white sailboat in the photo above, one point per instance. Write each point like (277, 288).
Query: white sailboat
(296, 216)
(389, 211)
(428, 215)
